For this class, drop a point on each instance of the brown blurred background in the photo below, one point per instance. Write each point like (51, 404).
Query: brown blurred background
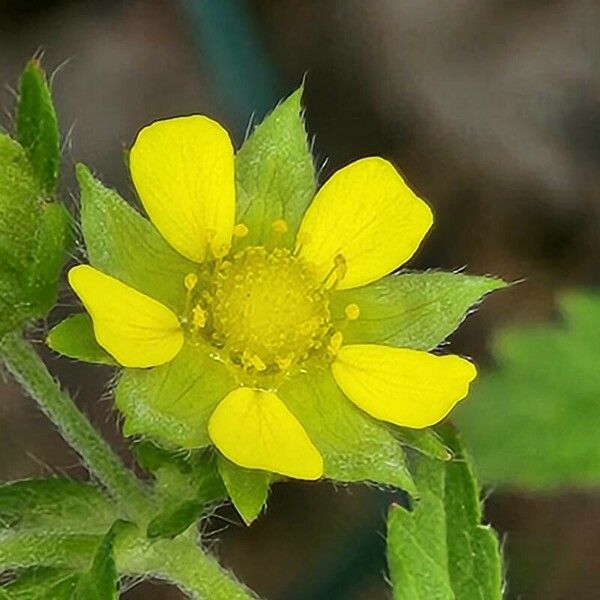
(489, 107)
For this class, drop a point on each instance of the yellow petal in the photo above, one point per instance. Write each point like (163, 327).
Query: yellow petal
(254, 429)
(137, 330)
(367, 214)
(405, 387)
(182, 169)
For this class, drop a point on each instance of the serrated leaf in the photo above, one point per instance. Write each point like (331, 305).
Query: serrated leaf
(100, 582)
(439, 549)
(37, 126)
(411, 310)
(354, 446)
(74, 337)
(122, 243)
(42, 583)
(171, 404)
(532, 422)
(275, 174)
(247, 488)
(55, 505)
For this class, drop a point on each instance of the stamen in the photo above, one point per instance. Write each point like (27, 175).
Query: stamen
(335, 343)
(240, 230)
(198, 317)
(280, 226)
(190, 281)
(337, 272)
(352, 312)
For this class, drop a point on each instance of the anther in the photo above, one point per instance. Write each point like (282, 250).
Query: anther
(198, 317)
(352, 312)
(240, 230)
(190, 281)
(335, 343)
(279, 226)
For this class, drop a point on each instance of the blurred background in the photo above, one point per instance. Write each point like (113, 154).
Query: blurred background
(491, 109)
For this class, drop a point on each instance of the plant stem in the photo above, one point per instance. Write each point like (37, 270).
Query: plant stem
(29, 370)
(181, 563)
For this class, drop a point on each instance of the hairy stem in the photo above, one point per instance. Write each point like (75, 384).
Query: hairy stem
(182, 563)
(29, 370)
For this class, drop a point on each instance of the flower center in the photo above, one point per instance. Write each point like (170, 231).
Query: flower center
(265, 310)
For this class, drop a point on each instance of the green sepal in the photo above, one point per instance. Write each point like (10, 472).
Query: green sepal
(425, 441)
(411, 310)
(37, 126)
(74, 337)
(247, 488)
(440, 549)
(41, 583)
(100, 582)
(546, 380)
(275, 173)
(171, 404)
(122, 243)
(354, 447)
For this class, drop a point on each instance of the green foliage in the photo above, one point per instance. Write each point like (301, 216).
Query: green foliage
(34, 235)
(54, 504)
(354, 446)
(41, 583)
(37, 127)
(275, 174)
(425, 441)
(532, 422)
(412, 310)
(186, 482)
(100, 582)
(172, 403)
(439, 550)
(74, 337)
(175, 519)
(248, 489)
(122, 243)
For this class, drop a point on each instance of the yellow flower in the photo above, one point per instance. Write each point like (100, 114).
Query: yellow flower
(264, 311)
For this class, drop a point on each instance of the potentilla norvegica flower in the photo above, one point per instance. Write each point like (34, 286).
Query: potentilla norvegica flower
(256, 318)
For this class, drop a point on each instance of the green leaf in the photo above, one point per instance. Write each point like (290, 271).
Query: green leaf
(411, 310)
(532, 422)
(171, 404)
(74, 337)
(248, 489)
(354, 446)
(41, 583)
(49, 253)
(122, 243)
(275, 173)
(440, 549)
(100, 582)
(37, 126)
(175, 520)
